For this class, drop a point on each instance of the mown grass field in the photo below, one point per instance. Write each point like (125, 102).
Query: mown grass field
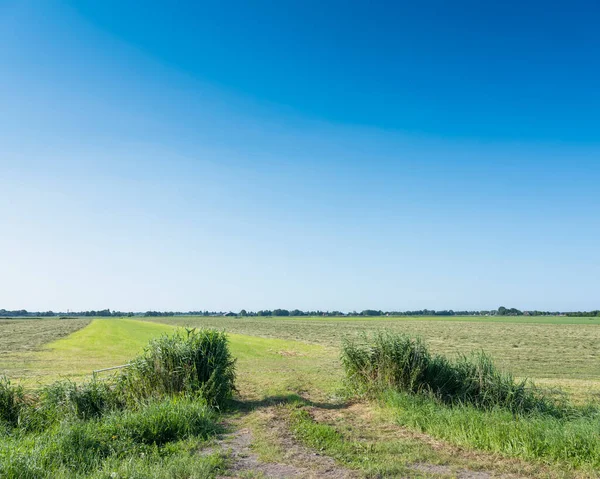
(555, 351)
(264, 363)
(290, 381)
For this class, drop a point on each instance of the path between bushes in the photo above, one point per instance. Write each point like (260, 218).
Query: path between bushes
(299, 461)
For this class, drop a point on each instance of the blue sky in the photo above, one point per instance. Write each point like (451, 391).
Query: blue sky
(299, 155)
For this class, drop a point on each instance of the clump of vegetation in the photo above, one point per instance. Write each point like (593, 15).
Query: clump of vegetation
(572, 440)
(160, 428)
(194, 362)
(398, 362)
(12, 402)
(146, 422)
(88, 400)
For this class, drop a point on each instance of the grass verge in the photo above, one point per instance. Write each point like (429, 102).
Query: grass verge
(470, 402)
(574, 442)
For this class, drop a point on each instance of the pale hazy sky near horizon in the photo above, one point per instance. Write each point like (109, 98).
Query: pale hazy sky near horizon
(299, 155)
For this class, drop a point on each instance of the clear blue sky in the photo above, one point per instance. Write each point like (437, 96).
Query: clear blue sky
(227, 155)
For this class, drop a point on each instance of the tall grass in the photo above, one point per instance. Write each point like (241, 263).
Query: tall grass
(82, 447)
(571, 441)
(147, 421)
(468, 401)
(194, 361)
(87, 400)
(12, 403)
(398, 362)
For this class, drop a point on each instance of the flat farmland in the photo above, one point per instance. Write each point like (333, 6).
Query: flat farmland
(557, 351)
(293, 410)
(20, 338)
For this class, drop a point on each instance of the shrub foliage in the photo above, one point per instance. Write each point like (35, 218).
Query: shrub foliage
(166, 397)
(194, 361)
(12, 402)
(398, 362)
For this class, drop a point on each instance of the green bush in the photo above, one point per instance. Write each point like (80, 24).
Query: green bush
(134, 425)
(194, 361)
(66, 399)
(398, 362)
(87, 400)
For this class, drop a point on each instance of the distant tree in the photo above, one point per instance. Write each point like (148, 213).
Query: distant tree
(371, 312)
(281, 312)
(501, 311)
(243, 312)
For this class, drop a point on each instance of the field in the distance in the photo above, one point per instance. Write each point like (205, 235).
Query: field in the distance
(554, 351)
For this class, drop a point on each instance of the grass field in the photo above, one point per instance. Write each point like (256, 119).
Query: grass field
(291, 396)
(263, 363)
(557, 351)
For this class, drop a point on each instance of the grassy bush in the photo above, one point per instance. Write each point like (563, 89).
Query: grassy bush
(87, 400)
(574, 442)
(12, 403)
(146, 423)
(193, 362)
(82, 447)
(395, 361)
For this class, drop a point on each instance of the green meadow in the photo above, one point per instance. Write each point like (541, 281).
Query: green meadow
(293, 401)
(555, 351)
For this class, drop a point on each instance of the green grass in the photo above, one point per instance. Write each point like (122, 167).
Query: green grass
(30, 334)
(93, 428)
(266, 367)
(561, 351)
(79, 448)
(277, 359)
(574, 442)
(194, 361)
(398, 362)
(103, 343)
(20, 336)
(462, 319)
(470, 402)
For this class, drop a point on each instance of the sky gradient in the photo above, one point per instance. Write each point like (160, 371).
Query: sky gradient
(295, 155)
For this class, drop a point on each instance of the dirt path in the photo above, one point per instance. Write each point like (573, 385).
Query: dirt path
(298, 461)
(262, 446)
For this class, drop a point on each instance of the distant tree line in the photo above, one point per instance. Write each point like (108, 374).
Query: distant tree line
(44, 314)
(584, 314)
(501, 311)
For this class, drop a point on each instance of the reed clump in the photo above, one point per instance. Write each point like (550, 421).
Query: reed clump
(398, 362)
(193, 361)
